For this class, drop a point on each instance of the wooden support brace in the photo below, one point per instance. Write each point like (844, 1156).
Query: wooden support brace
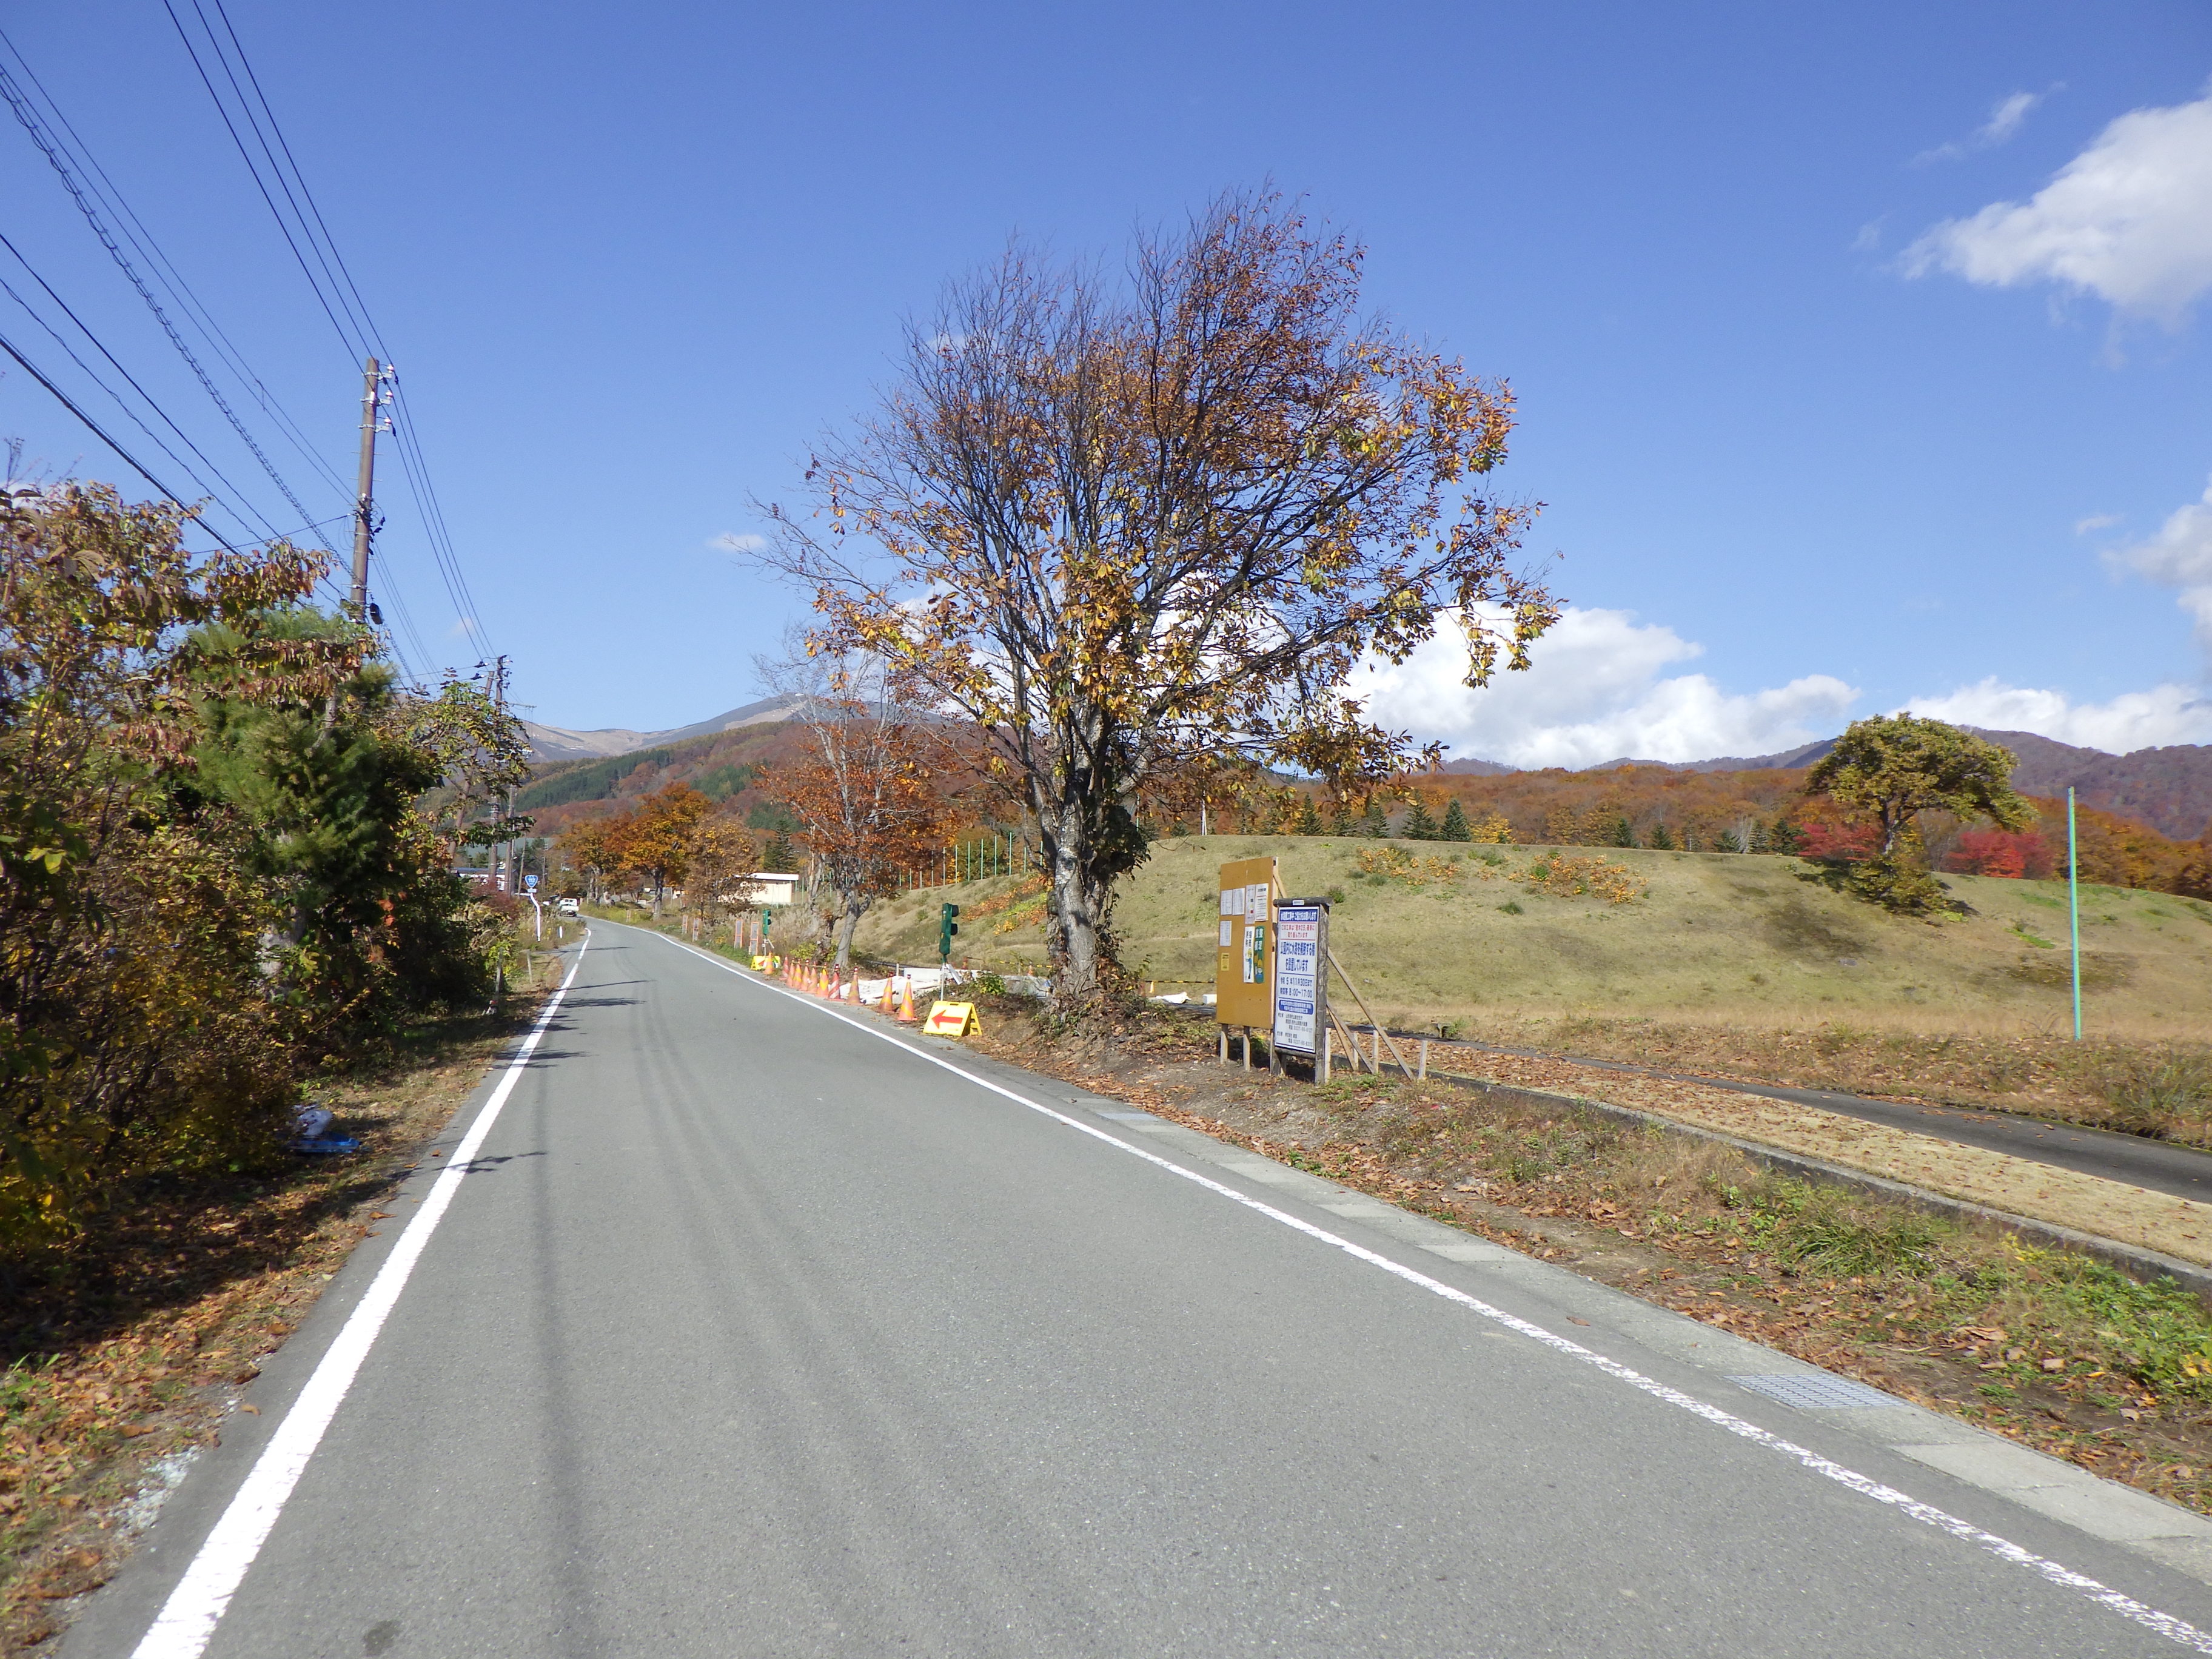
(1380, 1035)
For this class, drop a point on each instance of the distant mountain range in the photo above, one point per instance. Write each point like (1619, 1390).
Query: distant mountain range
(558, 743)
(2170, 789)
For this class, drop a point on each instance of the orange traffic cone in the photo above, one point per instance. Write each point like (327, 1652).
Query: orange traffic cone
(890, 1001)
(906, 1002)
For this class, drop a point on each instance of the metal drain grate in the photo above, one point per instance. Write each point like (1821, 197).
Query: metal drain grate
(1817, 1391)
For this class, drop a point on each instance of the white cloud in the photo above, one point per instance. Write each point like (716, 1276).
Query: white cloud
(2180, 555)
(2129, 219)
(731, 541)
(1595, 690)
(2095, 521)
(2004, 121)
(2135, 719)
(464, 628)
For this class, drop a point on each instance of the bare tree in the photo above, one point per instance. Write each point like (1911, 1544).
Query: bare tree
(865, 791)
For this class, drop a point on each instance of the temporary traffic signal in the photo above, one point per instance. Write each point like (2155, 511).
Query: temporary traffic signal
(946, 927)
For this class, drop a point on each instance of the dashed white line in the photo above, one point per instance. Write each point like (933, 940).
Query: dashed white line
(2104, 1595)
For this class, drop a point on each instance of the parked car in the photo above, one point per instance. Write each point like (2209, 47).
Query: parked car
(570, 907)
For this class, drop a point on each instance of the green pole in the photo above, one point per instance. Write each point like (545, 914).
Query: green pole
(2073, 907)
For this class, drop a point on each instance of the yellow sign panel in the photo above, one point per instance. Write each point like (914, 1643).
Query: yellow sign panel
(1243, 959)
(951, 1019)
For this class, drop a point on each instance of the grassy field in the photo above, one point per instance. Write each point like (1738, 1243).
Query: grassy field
(1451, 934)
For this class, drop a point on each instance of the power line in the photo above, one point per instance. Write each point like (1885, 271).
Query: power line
(121, 403)
(358, 331)
(133, 231)
(136, 465)
(47, 144)
(336, 291)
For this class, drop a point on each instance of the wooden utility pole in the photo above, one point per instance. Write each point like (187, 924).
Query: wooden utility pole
(503, 877)
(365, 499)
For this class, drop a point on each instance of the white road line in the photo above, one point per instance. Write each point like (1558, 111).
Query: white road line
(2104, 1595)
(189, 1616)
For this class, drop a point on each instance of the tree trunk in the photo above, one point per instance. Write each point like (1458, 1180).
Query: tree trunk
(848, 925)
(1078, 915)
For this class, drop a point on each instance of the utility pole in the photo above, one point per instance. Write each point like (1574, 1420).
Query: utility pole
(504, 878)
(364, 503)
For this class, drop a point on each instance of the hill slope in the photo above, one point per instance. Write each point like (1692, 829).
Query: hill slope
(1737, 936)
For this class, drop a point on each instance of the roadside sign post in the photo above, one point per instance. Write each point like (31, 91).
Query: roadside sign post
(1300, 1023)
(2074, 905)
(1243, 959)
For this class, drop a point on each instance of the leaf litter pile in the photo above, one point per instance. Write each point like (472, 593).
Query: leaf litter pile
(123, 1351)
(2055, 1349)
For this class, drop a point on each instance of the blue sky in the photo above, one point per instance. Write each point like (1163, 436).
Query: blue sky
(630, 262)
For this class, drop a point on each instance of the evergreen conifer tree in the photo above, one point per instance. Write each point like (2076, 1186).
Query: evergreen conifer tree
(1662, 839)
(1624, 832)
(1785, 836)
(1419, 826)
(1308, 820)
(1455, 826)
(1373, 822)
(1758, 842)
(1340, 822)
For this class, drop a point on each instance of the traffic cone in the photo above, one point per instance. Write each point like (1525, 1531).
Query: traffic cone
(890, 998)
(906, 1002)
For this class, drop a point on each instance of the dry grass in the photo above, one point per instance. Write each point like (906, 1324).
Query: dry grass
(1745, 966)
(1750, 941)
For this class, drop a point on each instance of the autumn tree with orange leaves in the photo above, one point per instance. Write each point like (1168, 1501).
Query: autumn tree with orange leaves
(1117, 525)
(655, 842)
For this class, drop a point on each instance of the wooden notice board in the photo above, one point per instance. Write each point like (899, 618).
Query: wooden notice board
(1244, 964)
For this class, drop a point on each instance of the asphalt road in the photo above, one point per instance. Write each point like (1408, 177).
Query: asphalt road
(748, 1333)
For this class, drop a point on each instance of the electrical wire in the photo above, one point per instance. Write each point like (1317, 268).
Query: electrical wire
(336, 292)
(41, 136)
(364, 339)
(133, 231)
(134, 464)
(230, 506)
